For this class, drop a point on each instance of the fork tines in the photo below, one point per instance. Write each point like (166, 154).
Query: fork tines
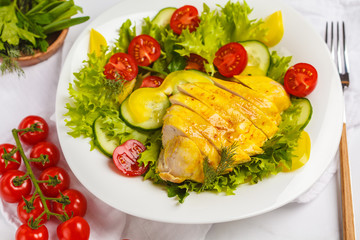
(335, 38)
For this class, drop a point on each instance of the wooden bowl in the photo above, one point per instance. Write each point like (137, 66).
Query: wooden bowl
(55, 40)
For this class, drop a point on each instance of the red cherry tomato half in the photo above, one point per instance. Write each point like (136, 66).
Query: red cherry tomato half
(50, 190)
(145, 50)
(185, 17)
(74, 228)
(121, 66)
(300, 79)
(125, 158)
(195, 62)
(45, 148)
(152, 81)
(37, 136)
(38, 209)
(24, 232)
(77, 206)
(11, 193)
(231, 59)
(10, 165)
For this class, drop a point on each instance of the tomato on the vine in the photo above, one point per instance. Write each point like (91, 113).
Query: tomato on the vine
(50, 190)
(300, 80)
(231, 59)
(10, 165)
(45, 148)
(152, 81)
(121, 66)
(125, 158)
(36, 136)
(25, 232)
(74, 228)
(195, 62)
(36, 211)
(77, 206)
(145, 49)
(186, 17)
(11, 193)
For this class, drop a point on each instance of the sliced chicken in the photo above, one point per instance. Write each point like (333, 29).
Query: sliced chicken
(243, 126)
(175, 126)
(205, 117)
(213, 118)
(264, 104)
(180, 160)
(232, 104)
(214, 136)
(269, 89)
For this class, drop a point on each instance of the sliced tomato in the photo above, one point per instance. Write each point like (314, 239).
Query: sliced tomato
(185, 17)
(152, 81)
(300, 80)
(145, 49)
(231, 59)
(125, 158)
(195, 62)
(121, 66)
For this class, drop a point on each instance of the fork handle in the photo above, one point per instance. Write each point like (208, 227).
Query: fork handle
(347, 204)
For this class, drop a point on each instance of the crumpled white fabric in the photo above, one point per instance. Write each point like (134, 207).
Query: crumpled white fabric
(35, 95)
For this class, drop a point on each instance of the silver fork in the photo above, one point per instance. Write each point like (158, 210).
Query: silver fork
(337, 45)
(338, 50)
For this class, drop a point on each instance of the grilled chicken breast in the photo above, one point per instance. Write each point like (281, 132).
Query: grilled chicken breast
(212, 117)
(205, 117)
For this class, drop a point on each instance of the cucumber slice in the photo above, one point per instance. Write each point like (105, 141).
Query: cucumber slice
(306, 111)
(163, 17)
(258, 58)
(102, 141)
(145, 108)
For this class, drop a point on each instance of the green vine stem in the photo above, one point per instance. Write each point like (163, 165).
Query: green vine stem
(30, 174)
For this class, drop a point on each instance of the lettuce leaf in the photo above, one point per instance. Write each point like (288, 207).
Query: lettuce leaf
(217, 28)
(278, 67)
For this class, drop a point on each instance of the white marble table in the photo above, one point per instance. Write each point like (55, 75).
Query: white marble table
(318, 219)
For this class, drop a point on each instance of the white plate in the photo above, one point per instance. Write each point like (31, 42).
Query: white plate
(142, 198)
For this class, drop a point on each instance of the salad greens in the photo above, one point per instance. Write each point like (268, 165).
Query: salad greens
(93, 96)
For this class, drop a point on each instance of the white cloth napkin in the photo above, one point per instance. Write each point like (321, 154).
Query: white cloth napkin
(35, 95)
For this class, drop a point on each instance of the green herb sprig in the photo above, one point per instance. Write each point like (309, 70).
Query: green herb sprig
(26, 24)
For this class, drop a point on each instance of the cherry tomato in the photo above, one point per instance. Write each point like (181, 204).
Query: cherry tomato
(125, 158)
(145, 50)
(231, 59)
(300, 79)
(50, 190)
(121, 65)
(24, 216)
(25, 232)
(37, 136)
(45, 148)
(77, 207)
(152, 81)
(11, 193)
(74, 228)
(195, 62)
(6, 148)
(185, 17)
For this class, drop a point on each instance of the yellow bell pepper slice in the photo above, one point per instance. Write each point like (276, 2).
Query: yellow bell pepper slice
(96, 41)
